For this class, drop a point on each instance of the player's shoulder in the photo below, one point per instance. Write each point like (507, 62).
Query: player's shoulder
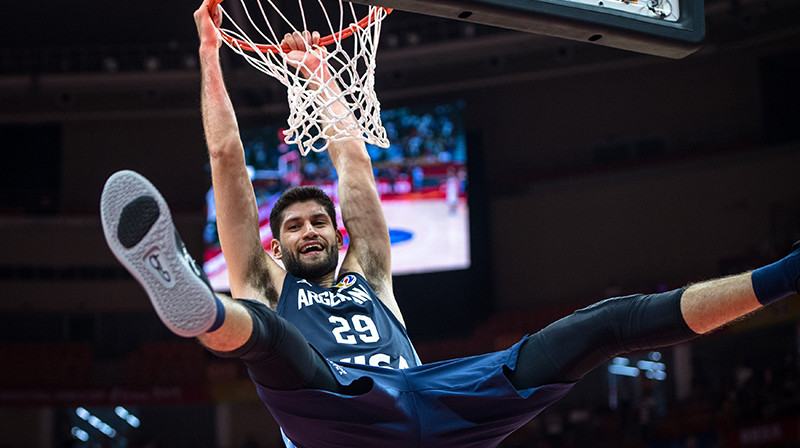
(348, 279)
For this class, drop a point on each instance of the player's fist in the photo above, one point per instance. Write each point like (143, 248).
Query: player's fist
(305, 53)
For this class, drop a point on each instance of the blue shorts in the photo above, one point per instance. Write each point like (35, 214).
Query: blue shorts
(465, 402)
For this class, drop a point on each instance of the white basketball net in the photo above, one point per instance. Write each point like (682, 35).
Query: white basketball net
(351, 61)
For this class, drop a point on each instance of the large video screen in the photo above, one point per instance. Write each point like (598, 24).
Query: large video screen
(421, 179)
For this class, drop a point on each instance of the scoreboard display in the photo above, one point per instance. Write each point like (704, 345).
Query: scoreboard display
(668, 28)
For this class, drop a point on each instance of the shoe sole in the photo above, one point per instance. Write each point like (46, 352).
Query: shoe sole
(139, 230)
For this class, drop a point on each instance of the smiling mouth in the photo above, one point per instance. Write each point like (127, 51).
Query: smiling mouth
(311, 248)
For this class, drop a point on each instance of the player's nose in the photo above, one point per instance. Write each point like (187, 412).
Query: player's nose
(309, 230)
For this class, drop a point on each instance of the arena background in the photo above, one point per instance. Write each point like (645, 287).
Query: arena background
(593, 172)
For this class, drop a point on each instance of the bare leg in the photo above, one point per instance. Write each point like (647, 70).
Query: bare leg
(709, 305)
(235, 330)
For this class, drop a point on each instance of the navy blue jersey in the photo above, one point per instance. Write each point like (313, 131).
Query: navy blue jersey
(347, 323)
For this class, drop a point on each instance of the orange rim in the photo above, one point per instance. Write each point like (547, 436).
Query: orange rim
(324, 41)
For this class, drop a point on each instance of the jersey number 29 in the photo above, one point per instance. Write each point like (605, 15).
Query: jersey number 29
(362, 326)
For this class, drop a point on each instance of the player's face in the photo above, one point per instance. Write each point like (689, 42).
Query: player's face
(309, 242)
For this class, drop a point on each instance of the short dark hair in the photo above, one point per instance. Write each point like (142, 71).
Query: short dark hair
(294, 195)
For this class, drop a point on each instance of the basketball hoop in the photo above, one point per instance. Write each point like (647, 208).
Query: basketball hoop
(311, 125)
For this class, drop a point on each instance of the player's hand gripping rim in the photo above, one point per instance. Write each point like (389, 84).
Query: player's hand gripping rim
(306, 54)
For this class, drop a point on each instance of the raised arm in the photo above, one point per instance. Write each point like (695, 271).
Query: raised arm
(253, 274)
(369, 251)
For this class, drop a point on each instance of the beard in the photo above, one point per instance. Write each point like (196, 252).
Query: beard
(313, 270)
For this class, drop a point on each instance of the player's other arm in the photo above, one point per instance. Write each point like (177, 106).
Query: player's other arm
(253, 274)
(369, 251)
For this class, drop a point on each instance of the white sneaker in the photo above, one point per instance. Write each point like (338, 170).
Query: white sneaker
(139, 230)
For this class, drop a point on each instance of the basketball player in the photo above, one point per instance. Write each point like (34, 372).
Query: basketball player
(329, 355)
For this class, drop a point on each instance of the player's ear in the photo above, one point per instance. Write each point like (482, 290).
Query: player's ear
(339, 239)
(275, 248)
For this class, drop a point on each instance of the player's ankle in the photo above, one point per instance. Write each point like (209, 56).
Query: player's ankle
(220, 319)
(778, 280)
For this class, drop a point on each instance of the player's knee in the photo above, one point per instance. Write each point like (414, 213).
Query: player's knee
(277, 354)
(591, 336)
(640, 321)
(272, 335)
(601, 321)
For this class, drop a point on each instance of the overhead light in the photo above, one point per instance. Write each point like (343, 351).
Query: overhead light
(413, 38)
(189, 62)
(152, 64)
(469, 29)
(652, 369)
(80, 434)
(620, 366)
(110, 65)
(127, 416)
(96, 422)
(392, 40)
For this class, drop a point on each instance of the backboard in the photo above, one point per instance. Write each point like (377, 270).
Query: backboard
(668, 28)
